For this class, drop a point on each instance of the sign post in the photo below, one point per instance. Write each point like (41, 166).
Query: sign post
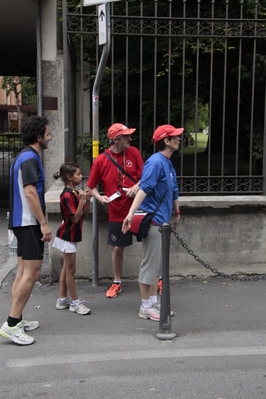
(96, 2)
(104, 39)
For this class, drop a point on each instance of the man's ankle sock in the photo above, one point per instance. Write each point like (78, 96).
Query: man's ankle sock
(12, 321)
(153, 299)
(146, 303)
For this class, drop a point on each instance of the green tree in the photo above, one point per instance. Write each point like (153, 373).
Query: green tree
(201, 49)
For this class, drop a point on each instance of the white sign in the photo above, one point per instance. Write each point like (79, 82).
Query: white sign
(95, 2)
(102, 23)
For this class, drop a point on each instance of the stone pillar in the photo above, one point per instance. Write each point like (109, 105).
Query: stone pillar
(53, 99)
(53, 89)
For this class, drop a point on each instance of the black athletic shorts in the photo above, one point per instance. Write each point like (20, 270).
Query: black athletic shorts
(115, 236)
(30, 246)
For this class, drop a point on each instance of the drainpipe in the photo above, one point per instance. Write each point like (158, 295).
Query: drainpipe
(66, 71)
(264, 146)
(39, 58)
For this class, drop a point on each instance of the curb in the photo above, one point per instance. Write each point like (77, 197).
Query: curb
(8, 267)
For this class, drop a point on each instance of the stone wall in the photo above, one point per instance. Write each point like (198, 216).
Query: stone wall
(226, 232)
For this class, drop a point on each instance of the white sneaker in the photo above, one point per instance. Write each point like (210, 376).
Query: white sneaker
(28, 325)
(150, 313)
(62, 304)
(79, 308)
(158, 307)
(16, 334)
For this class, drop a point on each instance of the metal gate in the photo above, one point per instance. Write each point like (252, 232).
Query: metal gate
(10, 145)
(196, 64)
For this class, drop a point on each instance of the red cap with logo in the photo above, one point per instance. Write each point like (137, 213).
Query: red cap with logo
(118, 129)
(165, 131)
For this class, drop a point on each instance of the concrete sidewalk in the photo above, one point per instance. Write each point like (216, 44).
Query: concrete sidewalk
(219, 351)
(200, 305)
(7, 262)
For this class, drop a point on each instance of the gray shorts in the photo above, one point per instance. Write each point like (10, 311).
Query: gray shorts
(150, 267)
(115, 236)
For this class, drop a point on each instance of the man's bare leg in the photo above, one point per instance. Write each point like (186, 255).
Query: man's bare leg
(117, 260)
(23, 286)
(18, 275)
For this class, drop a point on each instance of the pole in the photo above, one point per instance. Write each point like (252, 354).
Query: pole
(39, 59)
(95, 145)
(66, 72)
(165, 313)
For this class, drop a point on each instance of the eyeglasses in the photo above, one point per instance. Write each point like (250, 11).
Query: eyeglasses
(173, 137)
(124, 136)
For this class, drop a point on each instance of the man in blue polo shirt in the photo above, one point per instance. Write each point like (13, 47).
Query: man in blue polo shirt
(158, 185)
(28, 222)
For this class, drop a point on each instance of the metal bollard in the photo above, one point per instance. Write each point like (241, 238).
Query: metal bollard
(165, 313)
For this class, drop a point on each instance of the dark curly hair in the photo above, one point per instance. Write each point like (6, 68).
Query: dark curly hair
(32, 127)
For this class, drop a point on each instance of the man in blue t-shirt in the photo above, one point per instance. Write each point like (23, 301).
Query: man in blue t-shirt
(157, 184)
(28, 222)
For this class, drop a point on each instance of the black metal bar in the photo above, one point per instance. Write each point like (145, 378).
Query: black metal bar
(66, 69)
(205, 173)
(39, 58)
(165, 313)
(95, 138)
(264, 146)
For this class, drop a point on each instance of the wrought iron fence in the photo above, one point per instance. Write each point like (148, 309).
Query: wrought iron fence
(191, 64)
(10, 145)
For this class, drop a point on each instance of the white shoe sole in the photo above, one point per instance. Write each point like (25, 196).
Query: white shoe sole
(142, 316)
(15, 339)
(82, 314)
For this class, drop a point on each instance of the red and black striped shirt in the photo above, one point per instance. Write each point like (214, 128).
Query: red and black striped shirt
(69, 231)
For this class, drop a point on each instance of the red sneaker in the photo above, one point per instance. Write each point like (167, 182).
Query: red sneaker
(114, 290)
(160, 287)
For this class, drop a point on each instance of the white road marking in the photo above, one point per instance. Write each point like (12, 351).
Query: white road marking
(134, 355)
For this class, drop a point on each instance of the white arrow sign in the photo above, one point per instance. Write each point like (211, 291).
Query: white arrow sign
(95, 2)
(102, 21)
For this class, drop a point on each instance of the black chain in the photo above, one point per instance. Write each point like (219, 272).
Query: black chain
(215, 271)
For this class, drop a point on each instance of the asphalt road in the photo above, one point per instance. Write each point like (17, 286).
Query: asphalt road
(219, 351)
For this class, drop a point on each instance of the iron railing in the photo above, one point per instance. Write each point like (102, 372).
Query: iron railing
(10, 145)
(168, 61)
(190, 64)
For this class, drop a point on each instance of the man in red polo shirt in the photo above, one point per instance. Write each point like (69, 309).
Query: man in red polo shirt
(120, 182)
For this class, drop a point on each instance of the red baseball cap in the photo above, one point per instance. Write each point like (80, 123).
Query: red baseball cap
(118, 129)
(166, 130)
